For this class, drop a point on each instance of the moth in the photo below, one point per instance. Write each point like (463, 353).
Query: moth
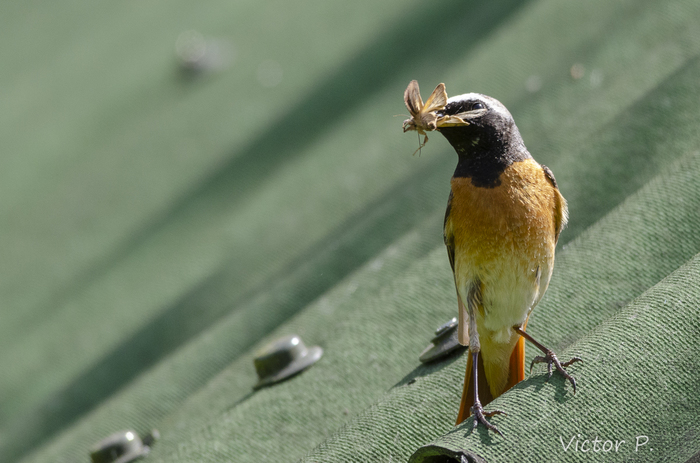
(424, 117)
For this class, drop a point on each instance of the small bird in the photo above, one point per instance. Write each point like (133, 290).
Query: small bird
(503, 219)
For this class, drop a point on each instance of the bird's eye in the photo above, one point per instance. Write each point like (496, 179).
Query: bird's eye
(477, 105)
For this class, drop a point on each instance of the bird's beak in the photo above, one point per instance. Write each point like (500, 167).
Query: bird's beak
(450, 121)
(458, 120)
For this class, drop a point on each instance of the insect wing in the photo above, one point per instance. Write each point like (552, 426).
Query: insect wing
(414, 103)
(437, 100)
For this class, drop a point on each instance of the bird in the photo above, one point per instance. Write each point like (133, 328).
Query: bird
(503, 220)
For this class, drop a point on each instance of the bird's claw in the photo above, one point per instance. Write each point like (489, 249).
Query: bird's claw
(480, 417)
(550, 358)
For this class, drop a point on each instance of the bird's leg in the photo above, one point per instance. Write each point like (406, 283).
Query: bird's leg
(549, 358)
(473, 300)
(477, 409)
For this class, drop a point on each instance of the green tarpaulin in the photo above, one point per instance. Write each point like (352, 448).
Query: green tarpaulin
(160, 227)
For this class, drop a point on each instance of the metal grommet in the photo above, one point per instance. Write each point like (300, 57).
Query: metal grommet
(198, 54)
(284, 358)
(444, 342)
(122, 447)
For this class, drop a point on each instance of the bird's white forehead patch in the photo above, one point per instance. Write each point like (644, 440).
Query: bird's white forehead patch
(466, 96)
(492, 103)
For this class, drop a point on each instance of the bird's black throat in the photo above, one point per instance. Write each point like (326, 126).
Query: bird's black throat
(485, 154)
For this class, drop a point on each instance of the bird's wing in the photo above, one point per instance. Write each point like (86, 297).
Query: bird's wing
(463, 328)
(448, 236)
(561, 211)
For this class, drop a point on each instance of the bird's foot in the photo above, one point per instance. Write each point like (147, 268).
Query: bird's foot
(480, 417)
(550, 358)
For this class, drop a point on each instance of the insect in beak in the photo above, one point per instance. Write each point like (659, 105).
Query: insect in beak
(424, 117)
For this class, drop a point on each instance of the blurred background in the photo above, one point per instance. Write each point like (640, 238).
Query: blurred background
(182, 182)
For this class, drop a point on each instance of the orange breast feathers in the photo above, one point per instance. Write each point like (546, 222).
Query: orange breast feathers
(520, 218)
(503, 239)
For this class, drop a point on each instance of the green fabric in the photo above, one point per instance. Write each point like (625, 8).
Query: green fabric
(637, 401)
(159, 230)
(595, 275)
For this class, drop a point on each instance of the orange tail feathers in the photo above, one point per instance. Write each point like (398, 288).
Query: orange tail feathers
(516, 373)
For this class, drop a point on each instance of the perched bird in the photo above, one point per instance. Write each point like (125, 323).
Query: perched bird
(503, 219)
